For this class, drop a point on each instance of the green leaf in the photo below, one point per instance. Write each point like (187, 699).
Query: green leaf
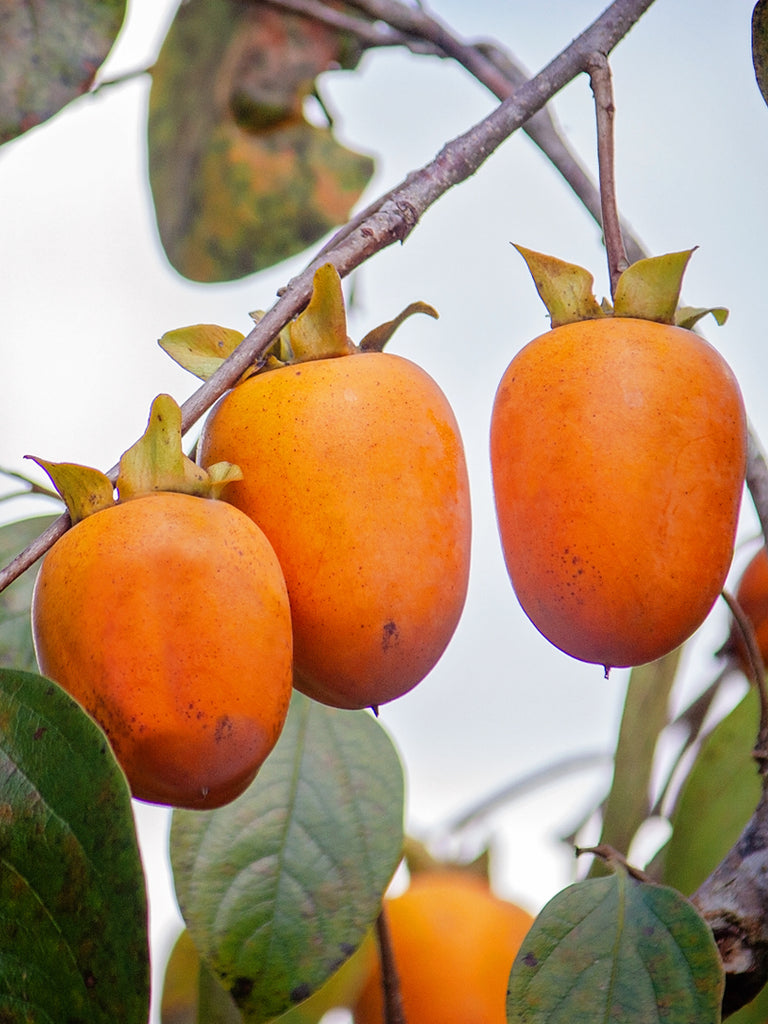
(73, 913)
(564, 288)
(644, 716)
(16, 648)
(51, 52)
(616, 950)
(760, 45)
(239, 178)
(717, 799)
(279, 887)
(650, 288)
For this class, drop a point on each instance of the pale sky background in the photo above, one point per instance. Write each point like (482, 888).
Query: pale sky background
(86, 292)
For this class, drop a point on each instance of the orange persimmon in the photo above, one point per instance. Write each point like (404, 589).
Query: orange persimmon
(752, 596)
(454, 943)
(618, 449)
(167, 618)
(354, 468)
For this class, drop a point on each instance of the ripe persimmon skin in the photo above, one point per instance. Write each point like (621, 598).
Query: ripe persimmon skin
(752, 597)
(618, 450)
(354, 468)
(454, 943)
(167, 618)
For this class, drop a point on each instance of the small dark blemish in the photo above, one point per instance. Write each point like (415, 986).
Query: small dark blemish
(223, 729)
(241, 989)
(390, 636)
(300, 993)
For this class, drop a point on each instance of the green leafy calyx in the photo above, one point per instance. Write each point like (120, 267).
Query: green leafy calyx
(318, 332)
(156, 462)
(647, 290)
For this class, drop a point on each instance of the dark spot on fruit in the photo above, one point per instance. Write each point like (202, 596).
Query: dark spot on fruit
(390, 636)
(223, 728)
(40, 732)
(530, 960)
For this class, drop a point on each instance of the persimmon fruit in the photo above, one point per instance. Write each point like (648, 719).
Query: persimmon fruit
(618, 451)
(454, 943)
(353, 467)
(752, 597)
(167, 618)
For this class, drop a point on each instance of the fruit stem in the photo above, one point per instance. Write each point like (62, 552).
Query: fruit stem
(757, 674)
(390, 980)
(601, 81)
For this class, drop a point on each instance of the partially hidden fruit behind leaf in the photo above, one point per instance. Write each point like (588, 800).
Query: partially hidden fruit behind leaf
(354, 468)
(181, 989)
(454, 943)
(618, 449)
(752, 596)
(166, 616)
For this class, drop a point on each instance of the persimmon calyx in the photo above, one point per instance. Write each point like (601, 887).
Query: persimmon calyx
(564, 288)
(156, 462)
(318, 332)
(649, 289)
(82, 489)
(200, 348)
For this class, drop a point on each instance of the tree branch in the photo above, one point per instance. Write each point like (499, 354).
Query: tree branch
(391, 219)
(602, 88)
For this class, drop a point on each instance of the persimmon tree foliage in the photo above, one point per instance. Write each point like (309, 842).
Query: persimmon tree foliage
(283, 886)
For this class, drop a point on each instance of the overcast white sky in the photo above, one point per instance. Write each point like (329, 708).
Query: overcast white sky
(86, 293)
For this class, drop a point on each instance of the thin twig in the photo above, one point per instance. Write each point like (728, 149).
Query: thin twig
(757, 480)
(488, 63)
(369, 33)
(395, 217)
(523, 786)
(757, 676)
(390, 979)
(605, 110)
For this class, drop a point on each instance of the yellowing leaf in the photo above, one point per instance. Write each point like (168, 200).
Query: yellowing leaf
(201, 348)
(239, 178)
(50, 54)
(83, 490)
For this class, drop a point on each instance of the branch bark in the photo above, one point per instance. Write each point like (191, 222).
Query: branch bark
(602, 88)
(392, 218)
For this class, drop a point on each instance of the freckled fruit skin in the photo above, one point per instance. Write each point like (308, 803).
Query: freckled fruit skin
(618, 450)
(167, 618)
(354, 468)
(454, 944)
